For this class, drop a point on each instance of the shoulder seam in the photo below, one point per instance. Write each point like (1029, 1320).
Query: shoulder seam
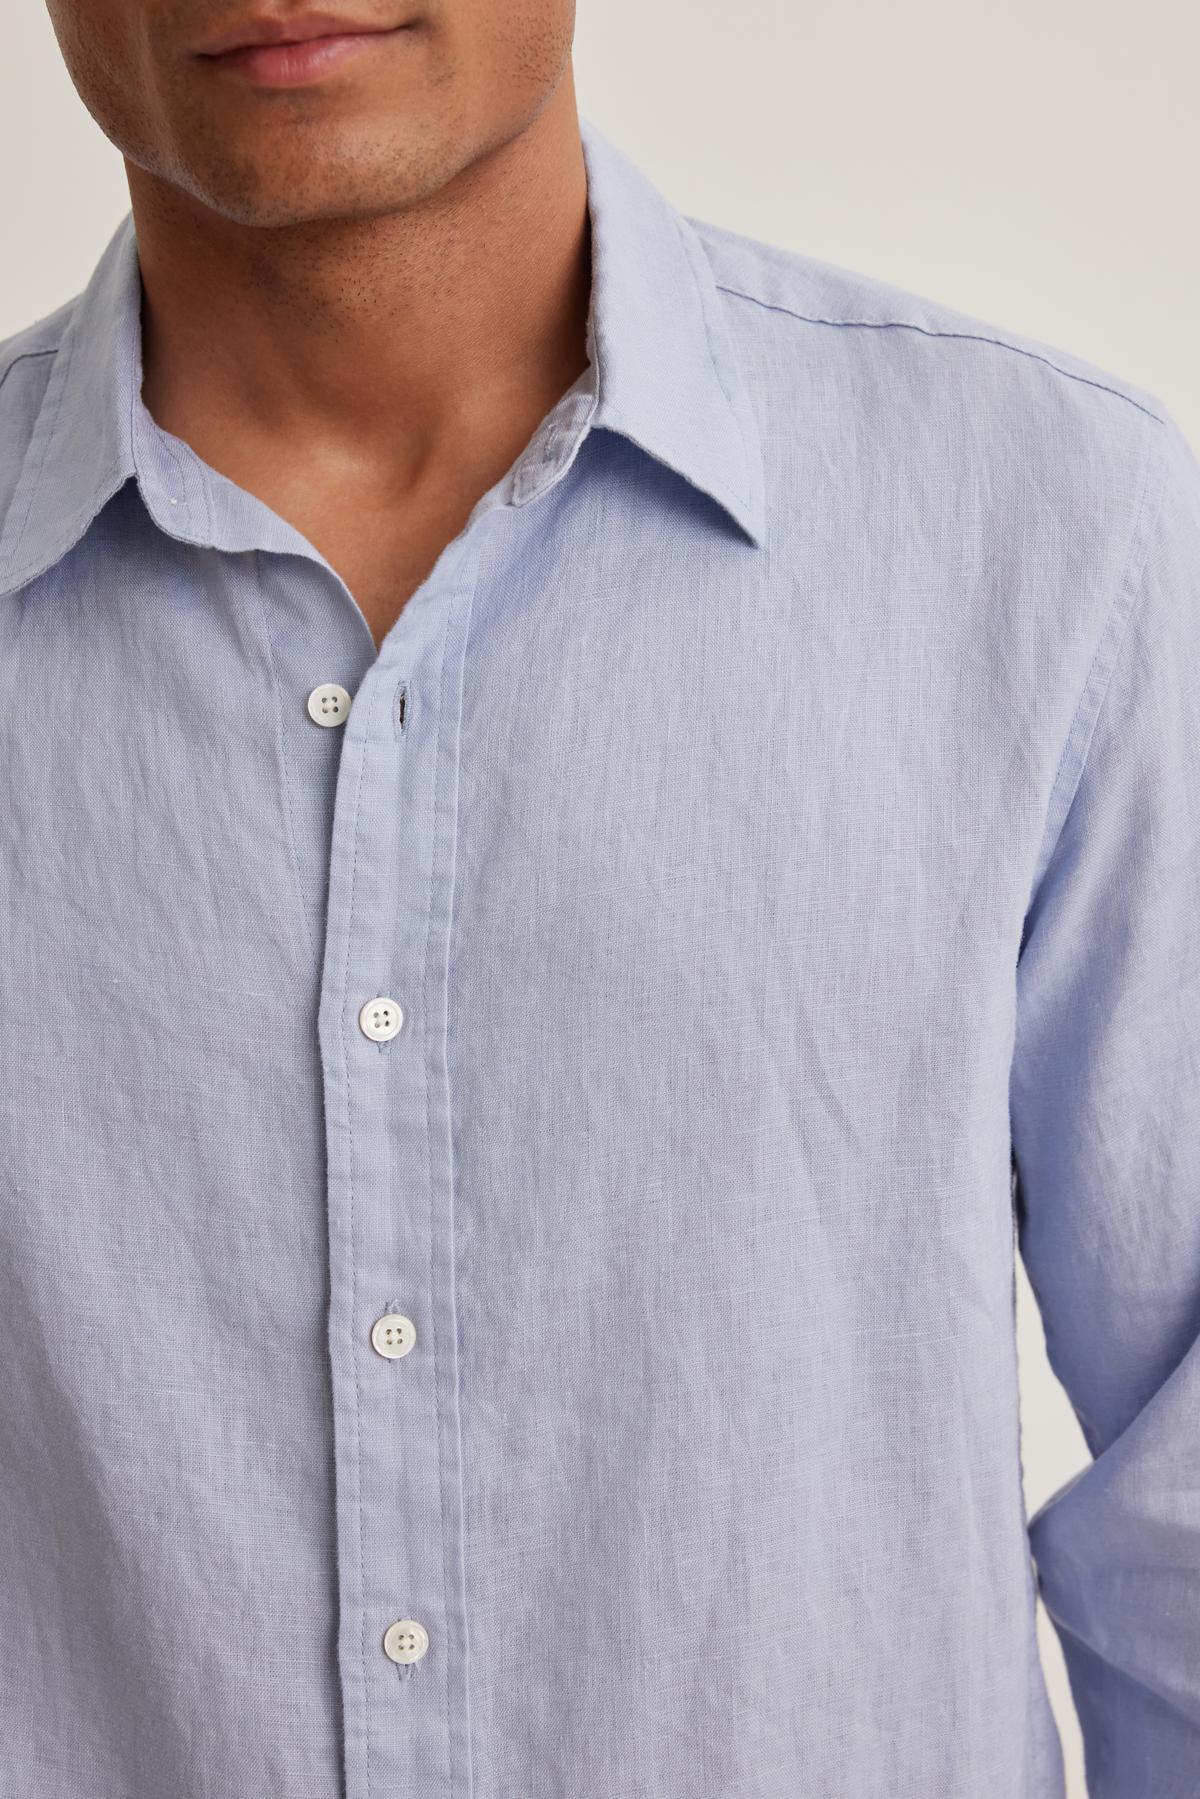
(981, 337)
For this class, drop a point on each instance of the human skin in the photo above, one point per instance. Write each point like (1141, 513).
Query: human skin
(365, 262)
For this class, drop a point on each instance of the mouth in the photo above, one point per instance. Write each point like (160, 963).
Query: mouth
(298, 50)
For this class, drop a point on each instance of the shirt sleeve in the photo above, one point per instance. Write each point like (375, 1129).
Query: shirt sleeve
(1105, 1119)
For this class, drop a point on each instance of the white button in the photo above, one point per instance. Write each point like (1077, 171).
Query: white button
(406, 1640)
(328, 704)
(380, 1019)
(393, 1335)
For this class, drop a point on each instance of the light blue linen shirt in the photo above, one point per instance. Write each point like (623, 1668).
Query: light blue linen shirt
(774, 827)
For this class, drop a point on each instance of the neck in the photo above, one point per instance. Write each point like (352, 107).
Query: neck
(435, 316)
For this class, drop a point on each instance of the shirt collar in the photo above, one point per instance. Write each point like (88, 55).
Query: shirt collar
(665, 369)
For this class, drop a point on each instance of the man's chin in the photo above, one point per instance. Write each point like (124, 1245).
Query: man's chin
(273, 192)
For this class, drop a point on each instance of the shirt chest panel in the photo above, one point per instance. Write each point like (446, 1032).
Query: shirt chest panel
(689, 928)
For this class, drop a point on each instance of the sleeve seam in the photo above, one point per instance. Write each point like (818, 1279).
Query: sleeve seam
(1090, 705)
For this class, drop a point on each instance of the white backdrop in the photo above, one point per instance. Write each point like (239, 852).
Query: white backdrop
(1035, 165)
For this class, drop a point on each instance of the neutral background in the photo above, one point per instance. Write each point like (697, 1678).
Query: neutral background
(1036, 166)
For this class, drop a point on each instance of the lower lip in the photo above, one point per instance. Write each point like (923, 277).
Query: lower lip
(299, 65)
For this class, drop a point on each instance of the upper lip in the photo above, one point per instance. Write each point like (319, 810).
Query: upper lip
(296, 28)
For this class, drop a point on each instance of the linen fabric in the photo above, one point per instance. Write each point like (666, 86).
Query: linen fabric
(776, 818)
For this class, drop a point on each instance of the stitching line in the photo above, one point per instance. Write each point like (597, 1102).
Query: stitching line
(967, 336)
(439, 761)
(349, 1108)
(59, 371)
(281, 751)
(26, 356)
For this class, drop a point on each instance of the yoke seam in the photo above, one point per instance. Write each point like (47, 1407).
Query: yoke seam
(981, 337)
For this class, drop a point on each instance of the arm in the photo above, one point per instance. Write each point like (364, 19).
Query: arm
(1105, 1116)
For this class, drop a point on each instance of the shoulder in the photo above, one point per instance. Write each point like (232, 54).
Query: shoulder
(863, 373)
(864, 328)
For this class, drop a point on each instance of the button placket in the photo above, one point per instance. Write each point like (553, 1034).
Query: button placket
(399, 1491)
